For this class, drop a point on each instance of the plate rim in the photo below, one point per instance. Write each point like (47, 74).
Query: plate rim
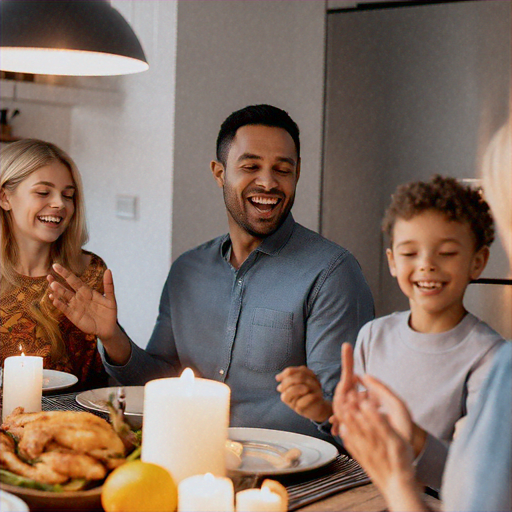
(73, 379)
(14, 499)
(89, 405)
(292, 435)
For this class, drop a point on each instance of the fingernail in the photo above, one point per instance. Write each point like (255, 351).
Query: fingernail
(56, 266)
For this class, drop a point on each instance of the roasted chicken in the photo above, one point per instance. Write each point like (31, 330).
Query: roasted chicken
(54, 447)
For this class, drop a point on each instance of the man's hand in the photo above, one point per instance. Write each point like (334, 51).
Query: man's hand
(301, 391)
(90, 311)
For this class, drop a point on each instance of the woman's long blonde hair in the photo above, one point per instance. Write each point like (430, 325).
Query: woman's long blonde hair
(18, 161)
(497, 181)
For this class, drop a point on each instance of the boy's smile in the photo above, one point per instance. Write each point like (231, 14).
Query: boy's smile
(434, 259)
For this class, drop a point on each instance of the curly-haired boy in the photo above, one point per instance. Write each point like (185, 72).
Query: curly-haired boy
(436, 355)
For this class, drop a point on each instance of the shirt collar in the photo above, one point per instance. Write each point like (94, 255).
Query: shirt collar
(271, 244)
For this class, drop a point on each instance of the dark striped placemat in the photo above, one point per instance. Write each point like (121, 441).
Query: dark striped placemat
(66, 402)
(341, 474)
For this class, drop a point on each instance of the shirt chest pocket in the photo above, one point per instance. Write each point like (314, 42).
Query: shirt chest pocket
(270, 340)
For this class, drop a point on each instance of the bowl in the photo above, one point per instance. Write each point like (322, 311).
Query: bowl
(84, 501)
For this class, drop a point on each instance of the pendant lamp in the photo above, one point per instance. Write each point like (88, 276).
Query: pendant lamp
(67, 37)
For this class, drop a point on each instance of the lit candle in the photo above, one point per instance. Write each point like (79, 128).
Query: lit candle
(259, 500)
(185, 425)
(206, 493)
(23, 384)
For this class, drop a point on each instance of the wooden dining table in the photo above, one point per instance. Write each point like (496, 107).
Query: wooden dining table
(366, 498)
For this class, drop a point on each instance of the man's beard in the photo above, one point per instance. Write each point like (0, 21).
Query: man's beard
(235, 207)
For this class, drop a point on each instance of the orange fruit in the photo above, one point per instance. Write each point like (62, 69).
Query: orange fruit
(139, 487)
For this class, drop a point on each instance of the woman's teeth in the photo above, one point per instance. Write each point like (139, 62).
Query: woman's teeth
(50, 218)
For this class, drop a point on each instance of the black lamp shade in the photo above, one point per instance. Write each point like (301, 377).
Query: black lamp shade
(67, 37)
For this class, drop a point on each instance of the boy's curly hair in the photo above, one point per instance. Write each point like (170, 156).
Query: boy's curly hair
(458, 202)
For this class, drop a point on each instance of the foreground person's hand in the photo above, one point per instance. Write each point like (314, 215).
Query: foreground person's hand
(301, 391)
(396, 412)
(382, 452)
(346, 386)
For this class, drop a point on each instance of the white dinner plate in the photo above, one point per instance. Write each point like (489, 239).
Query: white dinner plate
(11, 503)
(96, 399)
(314, 452)
(54, 380)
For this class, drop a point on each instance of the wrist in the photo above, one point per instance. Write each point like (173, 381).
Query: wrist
(419, 438)
(402, 494)
(324, 413)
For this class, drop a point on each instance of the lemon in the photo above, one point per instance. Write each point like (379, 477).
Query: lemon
(139, 487)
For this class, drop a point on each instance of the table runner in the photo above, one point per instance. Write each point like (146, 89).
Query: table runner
(303, 488)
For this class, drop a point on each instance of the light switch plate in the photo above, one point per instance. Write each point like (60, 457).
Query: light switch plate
(126, 206)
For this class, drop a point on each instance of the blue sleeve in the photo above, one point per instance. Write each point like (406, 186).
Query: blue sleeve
(340, 305)
(160, 358)
(478, 472)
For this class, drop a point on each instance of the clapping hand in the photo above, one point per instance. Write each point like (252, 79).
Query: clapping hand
(90, 311)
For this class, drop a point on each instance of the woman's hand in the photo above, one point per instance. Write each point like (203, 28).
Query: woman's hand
(90, 311)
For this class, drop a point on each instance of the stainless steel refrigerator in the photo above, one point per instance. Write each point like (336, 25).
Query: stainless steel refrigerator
(412, 89)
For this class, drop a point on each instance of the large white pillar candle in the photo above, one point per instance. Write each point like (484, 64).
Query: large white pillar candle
(206, 493)
(185, 425)
(22, 384)
(259, 500)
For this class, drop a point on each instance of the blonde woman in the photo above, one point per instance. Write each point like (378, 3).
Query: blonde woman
(42, 222)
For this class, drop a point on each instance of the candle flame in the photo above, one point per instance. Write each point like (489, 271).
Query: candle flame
(23, 354)
(187, 376)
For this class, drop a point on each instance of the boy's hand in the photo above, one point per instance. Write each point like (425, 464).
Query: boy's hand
(301, 391)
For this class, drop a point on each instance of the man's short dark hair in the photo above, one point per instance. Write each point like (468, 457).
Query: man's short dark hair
(265, 115)
(457, 201)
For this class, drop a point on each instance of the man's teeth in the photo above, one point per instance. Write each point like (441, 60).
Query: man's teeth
(50, 218)
(264, 200)
(430, 285)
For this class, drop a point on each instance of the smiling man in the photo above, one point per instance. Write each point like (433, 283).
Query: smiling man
(241, 308)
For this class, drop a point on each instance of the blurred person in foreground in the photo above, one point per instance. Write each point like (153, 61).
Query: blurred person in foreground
(378, 430)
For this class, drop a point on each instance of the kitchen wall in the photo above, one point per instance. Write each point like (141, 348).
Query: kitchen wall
(124, 146)
(151, 136)
(232, 54)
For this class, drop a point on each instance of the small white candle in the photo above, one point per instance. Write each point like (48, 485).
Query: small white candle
(206, 493)
(22, 384)
(259, 500)
(185, 425)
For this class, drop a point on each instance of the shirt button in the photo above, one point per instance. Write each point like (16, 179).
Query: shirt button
(239, 282)
(221, 372)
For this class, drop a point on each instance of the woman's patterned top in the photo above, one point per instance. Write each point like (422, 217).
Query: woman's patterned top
(18, 327)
